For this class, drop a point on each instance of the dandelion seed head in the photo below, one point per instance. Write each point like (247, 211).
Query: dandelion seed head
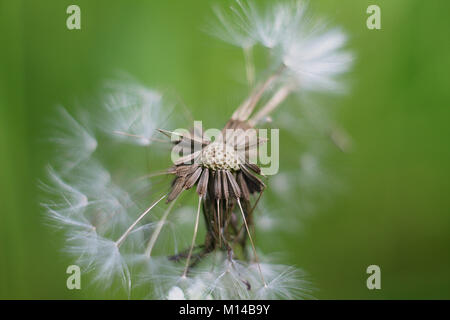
(218, 155)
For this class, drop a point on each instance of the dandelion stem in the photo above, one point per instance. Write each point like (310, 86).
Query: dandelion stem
(246, 108)
(274, 102)
(126, 233)
(249, 65)
(193, 237)
(219, 224)
(249, 214)
(251, 241)
(155, 235)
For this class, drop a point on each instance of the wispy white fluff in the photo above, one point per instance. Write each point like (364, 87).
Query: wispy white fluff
(316, 59)
(68, 200)
(75, 141)
(110, 207)
(283, 282)
(233, 279)
(88, 193)
(232, 27)
(133, 113)
(313, 54)
(101, 256)
(92, 251)
(93, 212)
(85, 205)
(175, 293)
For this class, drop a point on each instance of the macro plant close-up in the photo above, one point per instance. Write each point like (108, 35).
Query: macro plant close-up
(104, 229)
(224, 150)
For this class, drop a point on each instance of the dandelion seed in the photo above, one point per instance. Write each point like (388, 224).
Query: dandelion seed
(102, 256)
(74, 140)
(313, 55)
(155, 235)
(134, 113)
(130, 228)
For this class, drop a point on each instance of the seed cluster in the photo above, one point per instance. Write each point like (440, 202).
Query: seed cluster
(219, 156)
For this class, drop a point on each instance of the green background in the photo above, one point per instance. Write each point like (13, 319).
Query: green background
(396, 210)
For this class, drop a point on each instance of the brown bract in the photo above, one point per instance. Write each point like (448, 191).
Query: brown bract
(222, 177)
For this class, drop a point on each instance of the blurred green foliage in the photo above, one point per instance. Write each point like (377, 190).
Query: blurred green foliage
(396, 212)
